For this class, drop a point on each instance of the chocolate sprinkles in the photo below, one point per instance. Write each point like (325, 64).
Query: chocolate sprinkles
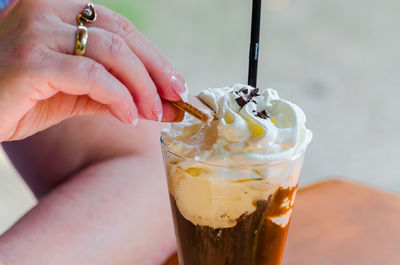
(263, 114)
(241, 100)
(244, 90)
(254, 93)
(245, 97)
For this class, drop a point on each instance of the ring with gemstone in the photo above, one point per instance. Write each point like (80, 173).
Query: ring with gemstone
(88, 15)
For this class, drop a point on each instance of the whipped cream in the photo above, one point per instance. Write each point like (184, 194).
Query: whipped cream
(250, 152)
(265, 129)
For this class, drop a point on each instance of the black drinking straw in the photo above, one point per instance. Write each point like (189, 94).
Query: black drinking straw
(254, 43)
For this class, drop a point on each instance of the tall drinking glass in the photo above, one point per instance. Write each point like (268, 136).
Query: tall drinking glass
(231, 214)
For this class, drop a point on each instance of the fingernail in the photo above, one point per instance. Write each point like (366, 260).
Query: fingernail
(179, 86)
(157, 108)
(133, 117)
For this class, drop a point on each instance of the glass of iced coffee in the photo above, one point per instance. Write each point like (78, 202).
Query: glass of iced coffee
(232, 184)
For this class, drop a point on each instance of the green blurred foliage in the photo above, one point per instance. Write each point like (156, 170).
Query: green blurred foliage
(135, 10)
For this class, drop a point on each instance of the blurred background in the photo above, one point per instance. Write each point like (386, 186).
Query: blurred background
(337, 59)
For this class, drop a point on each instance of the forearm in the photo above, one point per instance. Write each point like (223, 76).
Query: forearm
(116, 212)
(49, 157)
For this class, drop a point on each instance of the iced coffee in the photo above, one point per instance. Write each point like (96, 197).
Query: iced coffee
(232, 184)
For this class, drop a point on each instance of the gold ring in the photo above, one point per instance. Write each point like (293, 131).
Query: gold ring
(81, 40)
(88, 15)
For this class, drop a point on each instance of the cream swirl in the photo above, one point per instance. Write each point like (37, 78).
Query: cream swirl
(254, 125)
(228, 169)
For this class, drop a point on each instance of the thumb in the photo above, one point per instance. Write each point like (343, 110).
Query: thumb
(54, 110)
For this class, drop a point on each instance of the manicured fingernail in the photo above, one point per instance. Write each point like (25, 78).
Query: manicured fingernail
(179, 86)
(133, 117)
(157, 108)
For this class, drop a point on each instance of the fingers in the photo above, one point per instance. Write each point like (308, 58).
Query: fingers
(76, 75)
(111, 51)
(172, 113)
(171, 86)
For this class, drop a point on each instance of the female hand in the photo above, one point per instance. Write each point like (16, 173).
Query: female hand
(43, 83)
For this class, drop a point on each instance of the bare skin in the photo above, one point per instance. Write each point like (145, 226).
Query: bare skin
(42, 84)
(113, 212)
(100, 183)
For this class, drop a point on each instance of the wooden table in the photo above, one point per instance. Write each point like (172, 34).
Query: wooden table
(340, 223)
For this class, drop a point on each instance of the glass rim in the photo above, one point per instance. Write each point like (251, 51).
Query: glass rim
(266, 163)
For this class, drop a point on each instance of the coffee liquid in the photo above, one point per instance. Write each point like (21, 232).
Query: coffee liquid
(254, 240)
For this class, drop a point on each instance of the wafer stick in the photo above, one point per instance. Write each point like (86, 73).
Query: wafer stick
(195, 107)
